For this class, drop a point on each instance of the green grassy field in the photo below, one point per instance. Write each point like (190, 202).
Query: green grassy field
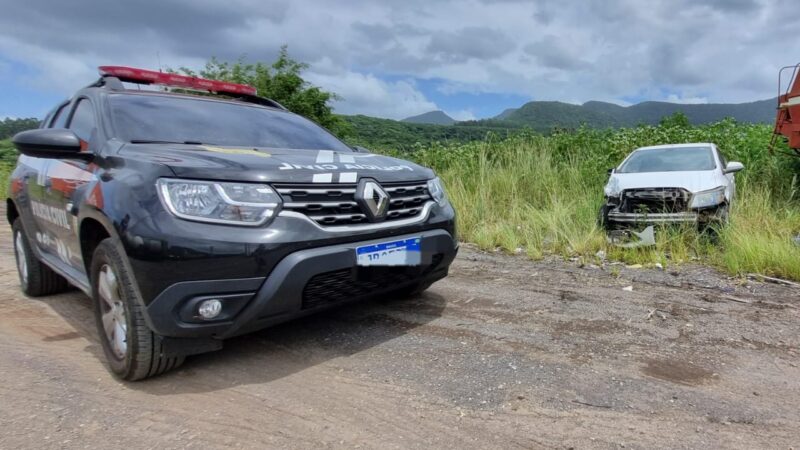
(540, 195)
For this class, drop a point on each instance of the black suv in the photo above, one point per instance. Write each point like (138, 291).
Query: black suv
(207, 212)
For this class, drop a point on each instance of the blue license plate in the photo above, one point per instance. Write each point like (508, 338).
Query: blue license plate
(405, 252)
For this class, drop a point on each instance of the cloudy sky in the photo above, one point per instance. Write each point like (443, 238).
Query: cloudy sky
(470, 58)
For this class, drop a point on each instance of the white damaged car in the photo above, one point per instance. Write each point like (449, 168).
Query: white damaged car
(669, 184)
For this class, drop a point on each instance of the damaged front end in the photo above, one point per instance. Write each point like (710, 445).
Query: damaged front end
(644, 208)
(650, 206)
(660, 206)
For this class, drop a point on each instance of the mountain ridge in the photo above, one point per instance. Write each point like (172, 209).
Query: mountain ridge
(544, 115)
(548, 116)
(437, 117)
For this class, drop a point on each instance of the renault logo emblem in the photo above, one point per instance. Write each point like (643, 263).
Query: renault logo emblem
(373, 199)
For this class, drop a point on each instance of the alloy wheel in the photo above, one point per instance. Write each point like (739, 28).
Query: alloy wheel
(22, 260)
(112, 312)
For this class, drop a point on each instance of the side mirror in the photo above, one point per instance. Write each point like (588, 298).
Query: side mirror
(49, 143)
(733, 166)
(610, 171)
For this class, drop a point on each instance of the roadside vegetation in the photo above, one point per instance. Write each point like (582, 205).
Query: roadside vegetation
(540, 195)
(8, 157)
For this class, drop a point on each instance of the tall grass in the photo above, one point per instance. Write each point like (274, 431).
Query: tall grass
(541, 195)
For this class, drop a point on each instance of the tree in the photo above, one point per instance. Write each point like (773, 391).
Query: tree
(281, 81)
(9, 127)
(676, 120)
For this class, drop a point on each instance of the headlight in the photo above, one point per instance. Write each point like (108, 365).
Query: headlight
(708, 198)
(217, 202)
(612, 187)
(437, 191)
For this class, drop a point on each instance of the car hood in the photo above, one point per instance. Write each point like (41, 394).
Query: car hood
(695, 181)
(275, 165)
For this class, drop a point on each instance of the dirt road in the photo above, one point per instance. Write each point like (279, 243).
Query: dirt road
(505, 353)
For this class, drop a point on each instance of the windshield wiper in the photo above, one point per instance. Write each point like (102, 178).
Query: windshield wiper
(154, 141)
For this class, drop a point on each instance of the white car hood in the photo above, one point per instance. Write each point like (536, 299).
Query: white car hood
(695, 181)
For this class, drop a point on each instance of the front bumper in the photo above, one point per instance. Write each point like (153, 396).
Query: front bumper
(653, 218)
(302, 283)
(696, 216)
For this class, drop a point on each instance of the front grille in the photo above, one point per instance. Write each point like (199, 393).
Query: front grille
(343, 285)
(655, 200)
(335, 204)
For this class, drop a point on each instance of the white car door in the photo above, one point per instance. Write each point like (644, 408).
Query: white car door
(728, 178)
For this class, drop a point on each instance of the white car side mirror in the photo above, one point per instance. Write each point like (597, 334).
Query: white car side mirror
(733, 166)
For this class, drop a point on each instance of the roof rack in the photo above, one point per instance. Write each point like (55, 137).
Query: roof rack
(113, 76)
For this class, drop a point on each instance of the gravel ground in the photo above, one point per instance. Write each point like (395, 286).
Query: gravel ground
(504, 353)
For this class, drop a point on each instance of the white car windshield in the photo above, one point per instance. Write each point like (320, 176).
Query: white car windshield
(670, 159)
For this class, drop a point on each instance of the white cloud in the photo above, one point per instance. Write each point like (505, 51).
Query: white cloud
(674, 98)
(545, 50)
(463, 114)
(55, 71)
(368, 94)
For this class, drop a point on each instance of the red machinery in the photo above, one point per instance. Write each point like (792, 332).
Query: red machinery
(787, 124)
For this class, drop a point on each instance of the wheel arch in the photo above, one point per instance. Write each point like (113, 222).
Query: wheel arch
(12, 213)
(93, 228)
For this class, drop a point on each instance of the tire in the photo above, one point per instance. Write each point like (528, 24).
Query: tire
(713, 226)
(724, 216)
(133, 352)
(35, 278)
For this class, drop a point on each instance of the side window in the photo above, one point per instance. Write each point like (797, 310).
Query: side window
(60, 118)
(82, 123)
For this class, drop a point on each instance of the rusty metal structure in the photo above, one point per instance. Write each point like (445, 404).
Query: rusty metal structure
(787, 122)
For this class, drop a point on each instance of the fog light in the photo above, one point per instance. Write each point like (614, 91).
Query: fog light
(210, 308)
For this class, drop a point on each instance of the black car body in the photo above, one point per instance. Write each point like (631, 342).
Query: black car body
(139, 165)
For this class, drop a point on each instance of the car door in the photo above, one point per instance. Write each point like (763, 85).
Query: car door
(62, 183)
(730, 178)
(43, 207)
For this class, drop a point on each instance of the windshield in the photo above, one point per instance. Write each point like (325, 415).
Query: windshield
(161, 118)
(673, 159)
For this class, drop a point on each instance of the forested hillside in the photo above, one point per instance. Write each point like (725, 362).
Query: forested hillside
(10, 127)
(545, 116)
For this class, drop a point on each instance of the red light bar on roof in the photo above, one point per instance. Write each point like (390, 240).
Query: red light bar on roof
(143, 76)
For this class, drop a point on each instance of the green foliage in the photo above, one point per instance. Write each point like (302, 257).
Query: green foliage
(10, 127)
(549, 118)
(8, 158)
(281, 81)
(540, 195)
(8, 154)
(677, 120)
